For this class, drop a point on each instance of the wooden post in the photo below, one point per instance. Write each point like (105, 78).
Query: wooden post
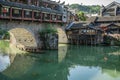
(50, 17)
(115, 11)
(41, 16)
(46, 5)
(38, 3)
(117, 30)
(32, 15)
(10, 13)
(95, 38)
(91, 36)
(56, 18)
(29, 2)
(22, 14)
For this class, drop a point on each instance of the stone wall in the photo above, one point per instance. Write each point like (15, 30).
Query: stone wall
(26, 31)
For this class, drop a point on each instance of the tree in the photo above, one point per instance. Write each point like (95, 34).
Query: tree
(81, 16)
(86, 8)
(5, 34)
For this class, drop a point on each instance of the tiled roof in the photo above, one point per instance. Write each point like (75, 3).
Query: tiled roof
(101, 19)
(108, 24)
(48, 1)
(19, 5)
(113, 3)
(110, 18)
(92, 19)
(77, 25)
(104, 24)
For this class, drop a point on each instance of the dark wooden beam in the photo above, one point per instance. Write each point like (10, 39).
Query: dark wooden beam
(41, 15)
(22, 14)
(32, 15)
(10, 13)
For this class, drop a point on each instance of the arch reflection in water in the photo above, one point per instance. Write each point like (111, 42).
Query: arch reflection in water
(4, 62)
(73, 63)
(62, 52)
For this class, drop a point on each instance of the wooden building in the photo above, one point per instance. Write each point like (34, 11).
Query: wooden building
(102, 29)
(82, 33)
(113, 9)
(34, 10)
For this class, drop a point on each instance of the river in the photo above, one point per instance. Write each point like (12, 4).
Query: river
(70, 62)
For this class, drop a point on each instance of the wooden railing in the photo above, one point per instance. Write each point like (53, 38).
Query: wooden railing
(31, 15)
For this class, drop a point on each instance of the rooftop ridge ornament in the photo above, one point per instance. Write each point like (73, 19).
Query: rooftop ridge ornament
(63, 3)
(58, 1)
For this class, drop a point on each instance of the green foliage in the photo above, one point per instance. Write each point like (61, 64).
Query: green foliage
(117, 43)
(5, 34)
(74, 6)
(86, 9)
(81, 16)
(1, 32)
(48, 30)
(4, 45)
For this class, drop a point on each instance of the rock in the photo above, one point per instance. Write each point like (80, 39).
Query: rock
(50, 41)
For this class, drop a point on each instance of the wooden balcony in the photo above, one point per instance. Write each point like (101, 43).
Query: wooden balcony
(13, 13)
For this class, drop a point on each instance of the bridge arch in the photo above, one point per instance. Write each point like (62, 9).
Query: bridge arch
(21, 37)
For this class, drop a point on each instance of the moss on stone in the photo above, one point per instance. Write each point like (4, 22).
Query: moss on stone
(48, 29)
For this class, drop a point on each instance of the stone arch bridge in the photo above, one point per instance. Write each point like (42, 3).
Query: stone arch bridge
(26, 34)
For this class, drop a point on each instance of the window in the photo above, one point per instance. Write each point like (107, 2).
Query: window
(59, 17)
(5, 11)
(47, 16)
(64, 16)
(110, 10)
(16, 12)
(27, 14)
(118, 11)
(37, 15)
(53, 17)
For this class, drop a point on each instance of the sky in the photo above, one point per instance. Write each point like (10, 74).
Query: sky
(89, 2)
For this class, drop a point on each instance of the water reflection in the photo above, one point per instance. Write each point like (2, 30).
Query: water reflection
(62, 52)
(68, 63)
(4, 62)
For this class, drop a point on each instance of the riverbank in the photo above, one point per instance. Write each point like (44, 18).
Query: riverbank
(7, 48)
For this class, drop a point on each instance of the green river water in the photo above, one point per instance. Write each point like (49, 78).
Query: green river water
(70, 62)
